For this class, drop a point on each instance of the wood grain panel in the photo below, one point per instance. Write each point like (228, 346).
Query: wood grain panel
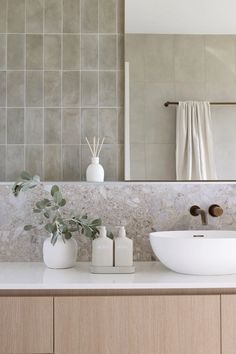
(137, 325)
(26, 325)
(228, 318)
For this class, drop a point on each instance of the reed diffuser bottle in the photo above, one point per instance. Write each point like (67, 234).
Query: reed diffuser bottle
(95, 171)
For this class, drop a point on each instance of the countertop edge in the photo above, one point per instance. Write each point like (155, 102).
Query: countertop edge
(150, 277)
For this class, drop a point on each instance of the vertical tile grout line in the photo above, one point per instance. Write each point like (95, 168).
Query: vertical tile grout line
(62, 48)
(6, 110)
(80, 91)
(117, 83)
(205, 67)
(43, 115)
(25, 73)
(98, 69)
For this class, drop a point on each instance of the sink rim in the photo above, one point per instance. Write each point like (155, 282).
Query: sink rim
(189, 234)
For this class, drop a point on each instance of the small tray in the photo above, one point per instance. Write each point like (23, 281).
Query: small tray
(112, 270)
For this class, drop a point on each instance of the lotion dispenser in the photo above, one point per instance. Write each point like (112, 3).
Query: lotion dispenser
(123, 249)
(102, 249)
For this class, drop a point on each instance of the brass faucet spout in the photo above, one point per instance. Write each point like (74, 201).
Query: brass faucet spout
(203, 217)
(195, 211)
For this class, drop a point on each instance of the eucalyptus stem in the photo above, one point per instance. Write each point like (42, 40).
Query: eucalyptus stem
(57, 224)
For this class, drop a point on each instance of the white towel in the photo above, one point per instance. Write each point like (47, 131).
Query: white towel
(194, 142)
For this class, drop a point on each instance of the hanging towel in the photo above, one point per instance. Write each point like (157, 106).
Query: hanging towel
(194, 142)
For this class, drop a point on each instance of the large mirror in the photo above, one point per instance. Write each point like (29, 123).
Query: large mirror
(61, 80)
(180, 90)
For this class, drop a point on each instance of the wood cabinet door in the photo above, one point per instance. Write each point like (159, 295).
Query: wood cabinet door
(228, 317)
(26, 325)
(137, 325)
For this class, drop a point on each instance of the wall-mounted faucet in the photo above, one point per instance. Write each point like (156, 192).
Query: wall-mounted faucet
(214, 210)
(195, 210)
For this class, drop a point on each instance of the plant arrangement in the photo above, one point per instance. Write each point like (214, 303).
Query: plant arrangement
(59, 221)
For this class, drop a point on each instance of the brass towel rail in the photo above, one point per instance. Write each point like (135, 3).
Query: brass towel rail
(168, 103)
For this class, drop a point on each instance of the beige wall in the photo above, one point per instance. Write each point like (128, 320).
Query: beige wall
(179, 67)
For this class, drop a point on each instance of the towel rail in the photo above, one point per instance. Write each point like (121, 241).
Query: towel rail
(168, 103)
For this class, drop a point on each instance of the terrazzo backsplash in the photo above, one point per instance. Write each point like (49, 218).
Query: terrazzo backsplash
(141, 207)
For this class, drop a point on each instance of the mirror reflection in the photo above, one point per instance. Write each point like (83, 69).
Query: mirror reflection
(61, 81)
(180, 76)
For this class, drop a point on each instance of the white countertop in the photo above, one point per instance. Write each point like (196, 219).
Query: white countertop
(149, 275)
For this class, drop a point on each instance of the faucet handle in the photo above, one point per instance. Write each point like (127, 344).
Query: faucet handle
(215, 210)
(194, 210)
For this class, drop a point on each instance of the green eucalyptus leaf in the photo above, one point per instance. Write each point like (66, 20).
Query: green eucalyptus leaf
(68, 235)
(57, 196)
(54, 189)
(31, 186)
(47, 214)
(87, 231)
(62, 203)
(110, 235)
(16, 189)
(38, 205)
(24, 188)
(26, 175)
(37, 211)
(36, 179)
(96, 222)
(41, 204)
(54, 238)
(59, 220)
(64, 228)
(54, 219)
(54, 208)
(49, 228)
(47, 202)
(28, 227)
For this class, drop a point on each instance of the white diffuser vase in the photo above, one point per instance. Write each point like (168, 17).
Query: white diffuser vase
(61, 255)
(95, 171)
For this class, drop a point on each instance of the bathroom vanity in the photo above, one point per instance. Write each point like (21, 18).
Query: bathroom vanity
(154, 311)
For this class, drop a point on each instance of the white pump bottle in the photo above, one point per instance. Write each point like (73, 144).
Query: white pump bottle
(123, 249)
(102, 249)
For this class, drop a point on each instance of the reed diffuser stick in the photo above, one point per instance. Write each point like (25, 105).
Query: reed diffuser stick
(94, 144)
(89, 146)
(95, 147)
(101, 147)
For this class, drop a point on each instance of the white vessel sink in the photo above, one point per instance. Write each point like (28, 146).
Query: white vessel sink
(196, 252)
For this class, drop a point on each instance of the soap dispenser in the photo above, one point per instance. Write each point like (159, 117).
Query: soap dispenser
(123, 249)
(102, 249)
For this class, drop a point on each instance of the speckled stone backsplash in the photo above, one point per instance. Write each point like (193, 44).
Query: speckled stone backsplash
(141, 207)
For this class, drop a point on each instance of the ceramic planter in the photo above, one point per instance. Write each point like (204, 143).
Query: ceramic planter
(62, 255)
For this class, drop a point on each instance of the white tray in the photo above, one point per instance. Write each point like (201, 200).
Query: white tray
(112, 270)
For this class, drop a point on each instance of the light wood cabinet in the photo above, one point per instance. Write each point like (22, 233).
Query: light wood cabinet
(115, 324)
(228, 317)
(26, 325)
(138, 325)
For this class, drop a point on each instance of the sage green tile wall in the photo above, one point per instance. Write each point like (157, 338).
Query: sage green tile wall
(178, 68)
(61, 79)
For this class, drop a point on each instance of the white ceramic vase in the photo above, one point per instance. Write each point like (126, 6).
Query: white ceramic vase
(95, 171)
(62, 255)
